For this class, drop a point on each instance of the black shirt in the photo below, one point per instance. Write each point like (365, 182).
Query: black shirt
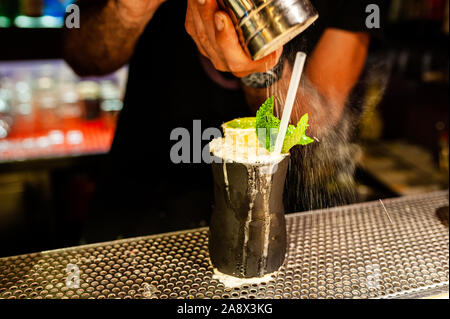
(169, 86)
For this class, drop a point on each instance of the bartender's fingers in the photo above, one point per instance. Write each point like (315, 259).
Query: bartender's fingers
(203, 15)
(191, 30)
(204, 34)
(206, 10)
(238, 62)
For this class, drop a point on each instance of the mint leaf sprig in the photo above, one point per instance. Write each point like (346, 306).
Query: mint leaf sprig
(267, 124)
(267, 127)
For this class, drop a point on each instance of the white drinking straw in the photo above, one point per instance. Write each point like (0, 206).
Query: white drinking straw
(290, 99)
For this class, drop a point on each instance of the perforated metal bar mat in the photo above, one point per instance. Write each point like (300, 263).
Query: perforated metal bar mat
(357, 251)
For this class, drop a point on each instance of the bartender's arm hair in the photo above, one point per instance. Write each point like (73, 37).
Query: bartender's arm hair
(109, 30)
(332, 71)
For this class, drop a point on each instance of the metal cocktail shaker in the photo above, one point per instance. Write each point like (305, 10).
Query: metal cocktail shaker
(264, 26)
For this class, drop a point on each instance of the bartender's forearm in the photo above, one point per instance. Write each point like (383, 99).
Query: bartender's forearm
(331, 72)
(109, 30)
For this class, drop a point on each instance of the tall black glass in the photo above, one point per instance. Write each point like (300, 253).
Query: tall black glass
(248, 228)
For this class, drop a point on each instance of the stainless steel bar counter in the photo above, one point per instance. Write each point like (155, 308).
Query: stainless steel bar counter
(397, 248)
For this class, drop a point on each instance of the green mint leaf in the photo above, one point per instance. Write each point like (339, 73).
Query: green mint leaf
(297, 136)
(267, 126)
(290, 130)
(305, 140)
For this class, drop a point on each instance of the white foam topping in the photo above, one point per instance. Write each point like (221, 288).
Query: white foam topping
(229, 151)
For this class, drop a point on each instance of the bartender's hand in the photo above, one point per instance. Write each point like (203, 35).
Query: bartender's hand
(215, 36)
